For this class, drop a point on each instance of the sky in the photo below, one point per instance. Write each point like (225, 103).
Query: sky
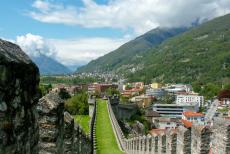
(77, 31)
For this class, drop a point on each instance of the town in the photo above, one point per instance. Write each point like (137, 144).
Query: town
(155, 108)
(115, 77)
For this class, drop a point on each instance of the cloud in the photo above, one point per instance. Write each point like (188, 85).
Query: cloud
(71, 51)
(140, 15)
(34, 45)
(81, 51)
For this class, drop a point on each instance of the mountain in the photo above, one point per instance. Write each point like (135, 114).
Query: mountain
(49, 66)
(131, 51)
(200, 55)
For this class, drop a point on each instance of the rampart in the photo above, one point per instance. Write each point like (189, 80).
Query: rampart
(199, 139)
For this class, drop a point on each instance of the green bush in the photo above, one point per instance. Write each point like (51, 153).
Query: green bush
(78, 104)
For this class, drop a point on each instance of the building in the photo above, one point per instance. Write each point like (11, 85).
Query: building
(174, 110)
(186, 123)
(156, 132)
(101, 88)
(166, 123)
(142, 101)
(185, 98)
(224, 97)
(151, 115)
(156, 85)
(92, 88)
(194, 117)
(131, 92)
(179, 88)
(156, 92)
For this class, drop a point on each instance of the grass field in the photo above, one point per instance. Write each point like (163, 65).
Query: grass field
(106, 141)
(83, 121)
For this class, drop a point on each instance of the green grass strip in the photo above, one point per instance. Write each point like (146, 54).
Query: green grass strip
(106, 141)
(83, 121)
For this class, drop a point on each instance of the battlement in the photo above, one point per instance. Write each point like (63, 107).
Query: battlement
(198, 139)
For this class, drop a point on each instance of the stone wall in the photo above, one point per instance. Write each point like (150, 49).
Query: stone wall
(196, 140)
(58, 132)
(29, 127)
(19, 79)
(122, 111)
(51, 124)
(82, 142)
(92, 132)
(221, 136)
(69, 133)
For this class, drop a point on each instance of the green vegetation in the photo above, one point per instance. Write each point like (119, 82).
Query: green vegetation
(106, 141)
(139, 116)
(224, 110)
(112, 91)
(78, 104)
(131, 51)
(68, 80)
(44, 89)
(200, 55)
(63, 93)
(83, 121)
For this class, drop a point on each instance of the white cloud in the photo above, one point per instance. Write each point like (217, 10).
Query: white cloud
(68, 52)
(140, 15)
(34, 45)
(81, 51)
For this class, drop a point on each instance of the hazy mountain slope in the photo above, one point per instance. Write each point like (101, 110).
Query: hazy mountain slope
(130, 51)
(199, 55)
(49, 66)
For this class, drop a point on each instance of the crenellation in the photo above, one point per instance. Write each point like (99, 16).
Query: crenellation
(220, 139)
(171, 141)
(201, 139)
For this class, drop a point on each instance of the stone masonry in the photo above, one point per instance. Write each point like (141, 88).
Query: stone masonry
(198, 139)
(69, 133)
(51, 124)
(19, 79)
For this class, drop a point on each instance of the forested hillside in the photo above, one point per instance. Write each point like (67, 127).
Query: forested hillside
(200, 55)
(131, 51)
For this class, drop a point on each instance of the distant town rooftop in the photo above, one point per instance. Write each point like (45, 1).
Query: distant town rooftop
(192, 114)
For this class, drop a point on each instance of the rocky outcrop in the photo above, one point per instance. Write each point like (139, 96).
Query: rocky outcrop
(51, 124)
(19, 78)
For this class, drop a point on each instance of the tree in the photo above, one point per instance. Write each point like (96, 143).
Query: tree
(210, 90)
(44, 89)
(111, 91)
(63, 93)
(78, 104)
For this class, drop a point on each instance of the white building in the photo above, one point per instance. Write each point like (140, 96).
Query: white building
(174, 110)
(179, 88)
(189, 99)
(166, 123)
(193, 117)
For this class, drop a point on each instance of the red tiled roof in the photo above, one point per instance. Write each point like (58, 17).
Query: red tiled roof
(186, 123)
(157, 131)
(192, 114)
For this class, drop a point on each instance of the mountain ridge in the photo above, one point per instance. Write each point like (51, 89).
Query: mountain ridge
(120, 56)
(49, 66)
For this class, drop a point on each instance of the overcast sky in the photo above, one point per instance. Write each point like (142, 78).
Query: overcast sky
(77, 31)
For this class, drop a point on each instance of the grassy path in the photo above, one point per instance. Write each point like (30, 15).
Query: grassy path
(106, 141)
